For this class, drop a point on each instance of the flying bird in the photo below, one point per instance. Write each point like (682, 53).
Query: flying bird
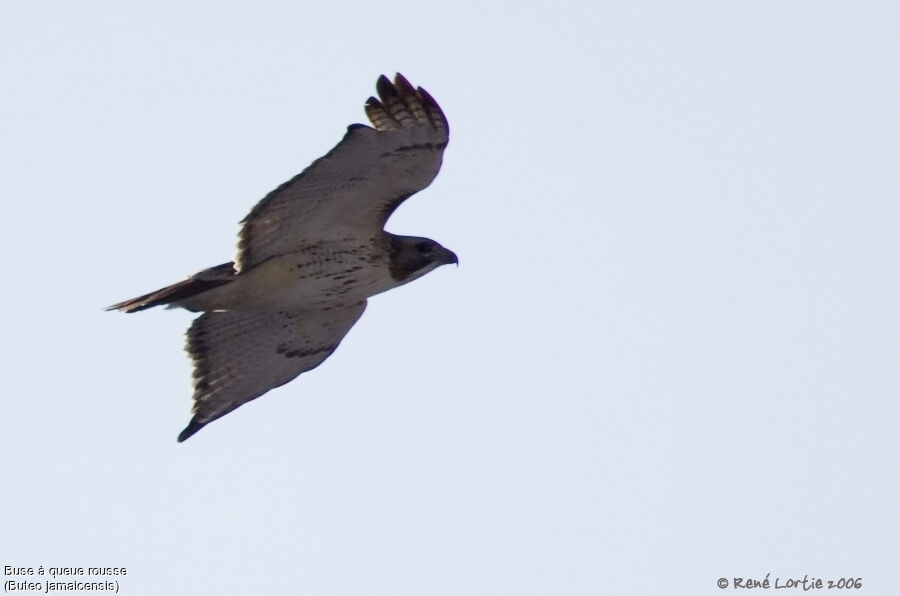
(309, 256)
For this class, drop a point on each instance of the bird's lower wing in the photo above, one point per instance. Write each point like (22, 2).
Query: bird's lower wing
(240, 355)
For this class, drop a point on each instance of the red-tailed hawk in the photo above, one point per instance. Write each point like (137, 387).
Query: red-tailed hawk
(309, 256)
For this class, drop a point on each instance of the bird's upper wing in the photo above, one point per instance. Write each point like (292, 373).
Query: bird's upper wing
(350, 192)
(239, 355)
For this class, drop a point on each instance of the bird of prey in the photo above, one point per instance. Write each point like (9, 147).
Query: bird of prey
(309, 256)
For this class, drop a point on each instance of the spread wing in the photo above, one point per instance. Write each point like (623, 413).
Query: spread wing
(351, 191)
(240, 355)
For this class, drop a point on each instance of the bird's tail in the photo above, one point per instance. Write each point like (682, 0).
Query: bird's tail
(171, 295)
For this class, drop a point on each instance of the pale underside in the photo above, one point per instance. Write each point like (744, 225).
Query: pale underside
(309, 255)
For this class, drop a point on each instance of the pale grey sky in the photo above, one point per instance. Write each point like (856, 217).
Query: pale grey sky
(669, 353)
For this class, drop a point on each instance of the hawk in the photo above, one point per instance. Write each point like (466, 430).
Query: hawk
(309, 256)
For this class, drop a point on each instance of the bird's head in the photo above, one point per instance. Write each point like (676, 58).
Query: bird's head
(412, 257)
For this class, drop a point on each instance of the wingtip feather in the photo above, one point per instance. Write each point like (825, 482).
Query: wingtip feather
(383, 86)
(401, 105)
(190, 430)
(435, 113)
(403, 85)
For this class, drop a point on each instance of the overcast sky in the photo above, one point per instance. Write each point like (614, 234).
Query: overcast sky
(669, 354)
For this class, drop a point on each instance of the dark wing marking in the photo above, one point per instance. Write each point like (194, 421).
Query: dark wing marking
(240, 355)
(351, 191)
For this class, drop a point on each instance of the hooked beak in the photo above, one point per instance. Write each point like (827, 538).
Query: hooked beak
(448, 256)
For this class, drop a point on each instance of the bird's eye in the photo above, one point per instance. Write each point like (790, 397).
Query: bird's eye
(423, 248)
